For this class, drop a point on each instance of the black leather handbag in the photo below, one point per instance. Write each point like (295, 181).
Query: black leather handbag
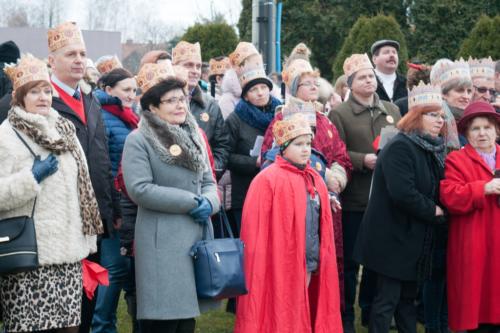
(218, 265)
(18, 249)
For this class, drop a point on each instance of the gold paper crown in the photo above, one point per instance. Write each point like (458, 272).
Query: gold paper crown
(355, 63)
(448, 71)
(288, 129)
(185, 51)
(295, 106)
(219, 67)
(64, 34)
(107, 63)
(425, 95)
(482, 68)
(252, 71)
(151, 74)
(243, 50)
(297, 68)
(27, 69)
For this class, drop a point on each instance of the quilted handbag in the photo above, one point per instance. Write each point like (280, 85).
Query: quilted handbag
(218, 265)
(18, 249)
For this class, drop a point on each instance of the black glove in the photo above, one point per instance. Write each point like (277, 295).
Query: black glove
(43, 169)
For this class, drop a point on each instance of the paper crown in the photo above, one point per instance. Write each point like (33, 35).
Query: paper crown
(151, 74)
(243, 50)
(355, 63)
(219, 67)
(297, 68)
(106, 64)
(295, 106)
(482, 68)
(185, 51)
(27, 69)
(425, 95)
(288, 129)
(64, 34)
(252, 71)
(448, 71)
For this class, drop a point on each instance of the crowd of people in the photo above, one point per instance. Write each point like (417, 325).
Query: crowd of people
(394, 178)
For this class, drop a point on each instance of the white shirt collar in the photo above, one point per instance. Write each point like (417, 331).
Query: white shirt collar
(385, 77)
(67, 89)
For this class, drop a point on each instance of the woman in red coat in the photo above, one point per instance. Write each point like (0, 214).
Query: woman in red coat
(290, 263)
(471, 194)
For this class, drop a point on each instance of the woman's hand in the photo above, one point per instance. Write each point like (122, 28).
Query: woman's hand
(492, 187)
(201, 213)
(335, 202)
(43, 169)
(439, 211)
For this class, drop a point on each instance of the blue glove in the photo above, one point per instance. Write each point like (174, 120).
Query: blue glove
(201, 213)
(43, 169)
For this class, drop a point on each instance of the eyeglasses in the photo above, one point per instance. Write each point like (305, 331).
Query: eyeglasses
(309, 84)
(436, 115)
(484, 90)
(174, 100)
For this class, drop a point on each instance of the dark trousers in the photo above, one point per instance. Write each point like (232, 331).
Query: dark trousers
(168, 326)
(350, 226)
(88, 306)
(394, 298)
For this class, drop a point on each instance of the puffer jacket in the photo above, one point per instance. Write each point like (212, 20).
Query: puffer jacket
(116, 130)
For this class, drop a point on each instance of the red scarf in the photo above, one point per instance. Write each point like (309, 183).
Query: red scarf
(125, 114)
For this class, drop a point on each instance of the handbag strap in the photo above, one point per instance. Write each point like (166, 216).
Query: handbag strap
(35, 156)
(223, 220)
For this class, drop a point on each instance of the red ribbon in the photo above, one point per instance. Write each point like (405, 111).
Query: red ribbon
(93, 275)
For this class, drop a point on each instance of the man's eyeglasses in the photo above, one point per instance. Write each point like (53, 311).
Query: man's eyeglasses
(484, 90)
(174, 100)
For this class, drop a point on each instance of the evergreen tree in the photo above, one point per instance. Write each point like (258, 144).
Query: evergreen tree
(216, 39)
(483, 40)
(440, 26)
(364, 33)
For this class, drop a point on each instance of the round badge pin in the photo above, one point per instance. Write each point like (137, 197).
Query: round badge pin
(318, 166)
(205, 117)
(175, 150)
(389, 119)
(330, 134)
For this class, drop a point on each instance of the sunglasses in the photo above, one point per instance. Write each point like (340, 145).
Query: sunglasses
(484, 90)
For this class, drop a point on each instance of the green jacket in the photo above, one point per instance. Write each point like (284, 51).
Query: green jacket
(358, 126)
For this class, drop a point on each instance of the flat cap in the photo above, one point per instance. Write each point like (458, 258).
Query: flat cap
(384, 42)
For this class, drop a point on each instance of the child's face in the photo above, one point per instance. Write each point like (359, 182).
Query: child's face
(299, 150)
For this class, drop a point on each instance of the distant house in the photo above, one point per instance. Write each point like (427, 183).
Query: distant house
(133, 52)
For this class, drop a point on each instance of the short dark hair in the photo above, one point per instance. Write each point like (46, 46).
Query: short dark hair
(114, 76)
(152, 97)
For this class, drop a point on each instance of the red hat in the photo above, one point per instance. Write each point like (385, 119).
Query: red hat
(476, 109)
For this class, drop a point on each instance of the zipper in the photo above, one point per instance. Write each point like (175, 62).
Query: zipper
(18, 252)
(217, 258)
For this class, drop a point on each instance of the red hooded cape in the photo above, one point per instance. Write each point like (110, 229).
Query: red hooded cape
(273, 229)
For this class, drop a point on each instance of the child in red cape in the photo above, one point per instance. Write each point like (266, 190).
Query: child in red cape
(290, 261)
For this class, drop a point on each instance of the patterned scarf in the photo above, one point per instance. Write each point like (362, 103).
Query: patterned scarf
(89, 210)
(256, 117)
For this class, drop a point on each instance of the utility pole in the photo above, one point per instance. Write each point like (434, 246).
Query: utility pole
(264, 31)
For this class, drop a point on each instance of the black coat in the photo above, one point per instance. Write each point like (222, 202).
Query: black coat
(5, 105)
(402, 104)
(400, 89)
(402, 205)
(92, 137)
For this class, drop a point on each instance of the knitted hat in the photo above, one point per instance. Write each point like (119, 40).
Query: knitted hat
(27, 69)
(63, 35)
(185, 51)
(9, 52)
(288, 129)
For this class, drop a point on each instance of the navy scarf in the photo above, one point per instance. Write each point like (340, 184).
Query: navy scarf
(258, 118)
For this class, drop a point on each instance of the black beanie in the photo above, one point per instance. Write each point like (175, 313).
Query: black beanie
(9, 52)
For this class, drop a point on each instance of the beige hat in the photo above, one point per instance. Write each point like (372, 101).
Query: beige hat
(27, 69)
(63, 35)
(243, 50)
(355, 63)
(219, 67)
(151, 74)
(253, 73)
(185, 51)
(446, 71)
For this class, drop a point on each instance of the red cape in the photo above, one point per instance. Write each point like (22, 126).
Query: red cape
(473, 260)
(273, 229)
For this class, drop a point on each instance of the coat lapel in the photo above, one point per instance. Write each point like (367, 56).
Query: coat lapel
(478, 159)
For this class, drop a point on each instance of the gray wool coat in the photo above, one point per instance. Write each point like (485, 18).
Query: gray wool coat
(165, 232)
